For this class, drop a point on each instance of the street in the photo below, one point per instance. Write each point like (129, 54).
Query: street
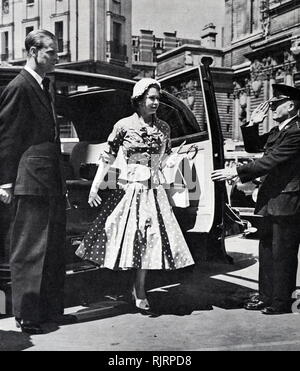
(202, 311)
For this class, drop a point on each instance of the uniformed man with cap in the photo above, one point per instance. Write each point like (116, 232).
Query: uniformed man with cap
(278, 200)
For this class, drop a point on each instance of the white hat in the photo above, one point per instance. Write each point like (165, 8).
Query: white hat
(141, 86)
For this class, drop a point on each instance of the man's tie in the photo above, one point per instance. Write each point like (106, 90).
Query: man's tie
(275, 129)
(46, 85)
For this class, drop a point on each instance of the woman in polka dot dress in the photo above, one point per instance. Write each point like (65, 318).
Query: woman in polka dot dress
(136, 227)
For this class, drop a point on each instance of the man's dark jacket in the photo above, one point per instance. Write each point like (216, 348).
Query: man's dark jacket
(29, 151)
(279, 168)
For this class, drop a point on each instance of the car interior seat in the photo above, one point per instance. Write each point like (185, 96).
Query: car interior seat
(84, 159)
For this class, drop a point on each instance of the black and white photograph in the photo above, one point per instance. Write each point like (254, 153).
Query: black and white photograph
(149, 178)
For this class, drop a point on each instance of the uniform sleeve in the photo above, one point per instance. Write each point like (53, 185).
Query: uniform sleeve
(114, 141)
(253, 142)
(288, 149)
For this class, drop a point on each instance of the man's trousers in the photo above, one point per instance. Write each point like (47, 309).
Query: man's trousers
(38, 257)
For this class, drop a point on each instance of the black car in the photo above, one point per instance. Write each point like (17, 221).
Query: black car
(90, 104)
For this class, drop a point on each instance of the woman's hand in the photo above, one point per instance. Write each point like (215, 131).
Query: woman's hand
(94, 199)
(171, 160)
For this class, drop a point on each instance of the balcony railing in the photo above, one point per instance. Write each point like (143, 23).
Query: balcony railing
(116, 51)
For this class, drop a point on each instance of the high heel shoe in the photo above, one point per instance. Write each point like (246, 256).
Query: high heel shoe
(141, 304)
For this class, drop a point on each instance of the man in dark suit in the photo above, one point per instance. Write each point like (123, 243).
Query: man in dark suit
(278, 199)
(30, 166)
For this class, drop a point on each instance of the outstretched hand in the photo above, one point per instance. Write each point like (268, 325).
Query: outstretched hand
(260, 113)
(94, 199)
(220, 175)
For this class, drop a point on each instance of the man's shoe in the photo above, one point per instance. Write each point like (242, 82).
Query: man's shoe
(275, 311)
(29, 327)
(257, 305)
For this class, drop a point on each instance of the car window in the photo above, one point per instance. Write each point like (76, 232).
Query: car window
(94, 113)
(173, 117)
(192, 119)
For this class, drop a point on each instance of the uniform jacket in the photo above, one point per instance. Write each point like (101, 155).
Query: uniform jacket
(29, 150)
(279, 168)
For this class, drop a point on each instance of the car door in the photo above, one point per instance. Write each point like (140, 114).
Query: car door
(190, 108)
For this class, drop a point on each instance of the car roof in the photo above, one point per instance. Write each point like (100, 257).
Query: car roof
(67, 75)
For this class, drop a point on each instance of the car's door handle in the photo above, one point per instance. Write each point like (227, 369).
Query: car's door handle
(191, 152)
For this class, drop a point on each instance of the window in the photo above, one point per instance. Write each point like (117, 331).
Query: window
(59, 33)
(135, 42)
(158, 44)
(116, 6)
(241, 18)
(254, 15)
(5, 6)
(59, 6)
(29, 2)
(117, 38)
(117, 32)
(186, 88)
(28, 30)
(4, 46)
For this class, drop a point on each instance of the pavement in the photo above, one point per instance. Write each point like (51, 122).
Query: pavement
(193, 310)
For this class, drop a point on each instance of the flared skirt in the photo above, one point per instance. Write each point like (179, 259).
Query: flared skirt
(136, 228)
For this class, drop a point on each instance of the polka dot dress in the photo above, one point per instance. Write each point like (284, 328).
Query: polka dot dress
(136, 228)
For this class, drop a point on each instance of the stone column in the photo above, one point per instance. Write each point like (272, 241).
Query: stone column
(289, 67)
(269, 120)
(236, 123)
(248, 92)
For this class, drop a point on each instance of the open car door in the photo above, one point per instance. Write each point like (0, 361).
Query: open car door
(196, 132)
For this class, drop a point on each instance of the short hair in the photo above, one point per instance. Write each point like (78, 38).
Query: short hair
(36, 38)
(136, 100)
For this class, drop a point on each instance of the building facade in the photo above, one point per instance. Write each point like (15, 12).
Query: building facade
(93, 35)
(188, 55)
(146, 48)
(262, 46)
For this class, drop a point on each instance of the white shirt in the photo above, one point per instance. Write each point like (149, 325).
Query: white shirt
(35, 75)
(39, 80)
